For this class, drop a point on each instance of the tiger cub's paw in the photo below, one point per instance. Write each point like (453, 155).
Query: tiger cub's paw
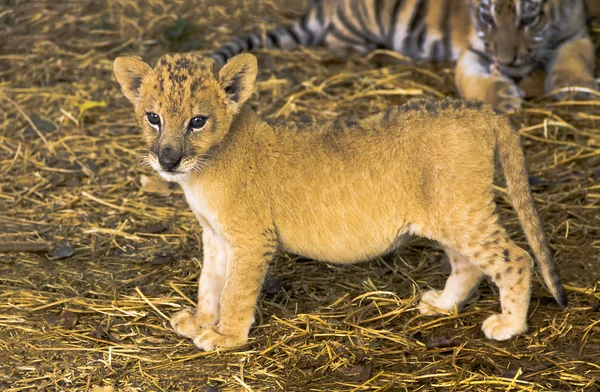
(579, 86)
(507, 96)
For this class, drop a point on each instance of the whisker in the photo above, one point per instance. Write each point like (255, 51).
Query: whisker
(145, 161)
(200, 164)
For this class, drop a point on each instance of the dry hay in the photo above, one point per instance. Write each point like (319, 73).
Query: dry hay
(68, 150)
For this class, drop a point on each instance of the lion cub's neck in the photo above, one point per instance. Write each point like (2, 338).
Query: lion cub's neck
(232, 163)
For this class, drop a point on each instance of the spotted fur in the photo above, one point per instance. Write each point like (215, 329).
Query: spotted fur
(425, 168)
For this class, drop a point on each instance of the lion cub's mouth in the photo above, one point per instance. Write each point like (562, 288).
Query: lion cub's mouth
(172, 175)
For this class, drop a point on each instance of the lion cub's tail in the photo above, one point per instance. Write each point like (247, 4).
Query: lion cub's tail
(513, 162)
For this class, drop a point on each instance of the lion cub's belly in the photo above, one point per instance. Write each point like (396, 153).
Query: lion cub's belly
(341, 240)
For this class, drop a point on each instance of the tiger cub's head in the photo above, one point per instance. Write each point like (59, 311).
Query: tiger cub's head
(519, 34)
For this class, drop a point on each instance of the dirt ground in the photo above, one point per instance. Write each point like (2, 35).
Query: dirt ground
(108, 262)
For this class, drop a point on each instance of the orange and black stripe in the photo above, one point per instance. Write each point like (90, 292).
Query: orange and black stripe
(365, 25)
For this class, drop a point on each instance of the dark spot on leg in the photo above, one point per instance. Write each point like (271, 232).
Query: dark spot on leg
(509, 270)
(506, 254)
(509, 312)
(498, 276)
(520, 271)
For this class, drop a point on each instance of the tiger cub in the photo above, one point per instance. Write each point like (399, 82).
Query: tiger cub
(341, 191)
(496, 42)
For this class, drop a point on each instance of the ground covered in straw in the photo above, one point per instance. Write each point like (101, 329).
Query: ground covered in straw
(109, 259)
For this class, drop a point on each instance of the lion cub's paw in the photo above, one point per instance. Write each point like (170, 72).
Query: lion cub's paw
(497, 327)
(209, 339)
(432, 303)
(185, 323)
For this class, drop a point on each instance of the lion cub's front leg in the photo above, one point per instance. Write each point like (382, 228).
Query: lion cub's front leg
(475, 81)
(246, 270)
(188, 322)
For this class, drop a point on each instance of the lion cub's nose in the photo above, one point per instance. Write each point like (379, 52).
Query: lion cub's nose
(169, 158)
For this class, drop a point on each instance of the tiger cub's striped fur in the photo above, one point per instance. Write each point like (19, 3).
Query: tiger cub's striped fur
(420, 29)
(496, 42)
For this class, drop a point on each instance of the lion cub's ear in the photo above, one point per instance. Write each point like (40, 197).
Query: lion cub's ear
(237, 77)
(130, 70)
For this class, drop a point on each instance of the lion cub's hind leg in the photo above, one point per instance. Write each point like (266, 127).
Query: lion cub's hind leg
(463, 280)
(477, 245)
(509, 267)
(189, 322)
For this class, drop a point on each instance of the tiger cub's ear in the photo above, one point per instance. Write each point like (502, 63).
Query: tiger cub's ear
(237, 78)
(130, 71)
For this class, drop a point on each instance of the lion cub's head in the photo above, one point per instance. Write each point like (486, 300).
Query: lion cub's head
(185, 105)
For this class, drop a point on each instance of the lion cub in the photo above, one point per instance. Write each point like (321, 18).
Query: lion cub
(341, 191)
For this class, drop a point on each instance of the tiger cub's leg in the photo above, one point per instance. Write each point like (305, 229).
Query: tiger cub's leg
(342, 46)
(188, 322)
(475, 81)
(573, 65)
(463, 280)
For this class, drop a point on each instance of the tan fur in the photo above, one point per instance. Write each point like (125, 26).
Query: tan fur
(342, 191)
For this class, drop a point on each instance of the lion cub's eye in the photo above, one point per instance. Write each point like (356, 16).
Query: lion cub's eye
(197, 122)
(153, 119)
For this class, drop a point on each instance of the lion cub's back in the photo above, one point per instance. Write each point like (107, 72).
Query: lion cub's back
(436, 118)
(411, 137)
(425, 132)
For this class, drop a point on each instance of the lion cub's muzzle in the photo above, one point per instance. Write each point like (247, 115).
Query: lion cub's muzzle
(169, 158)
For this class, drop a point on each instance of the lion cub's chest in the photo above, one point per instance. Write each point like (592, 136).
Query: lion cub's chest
(200, 205)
